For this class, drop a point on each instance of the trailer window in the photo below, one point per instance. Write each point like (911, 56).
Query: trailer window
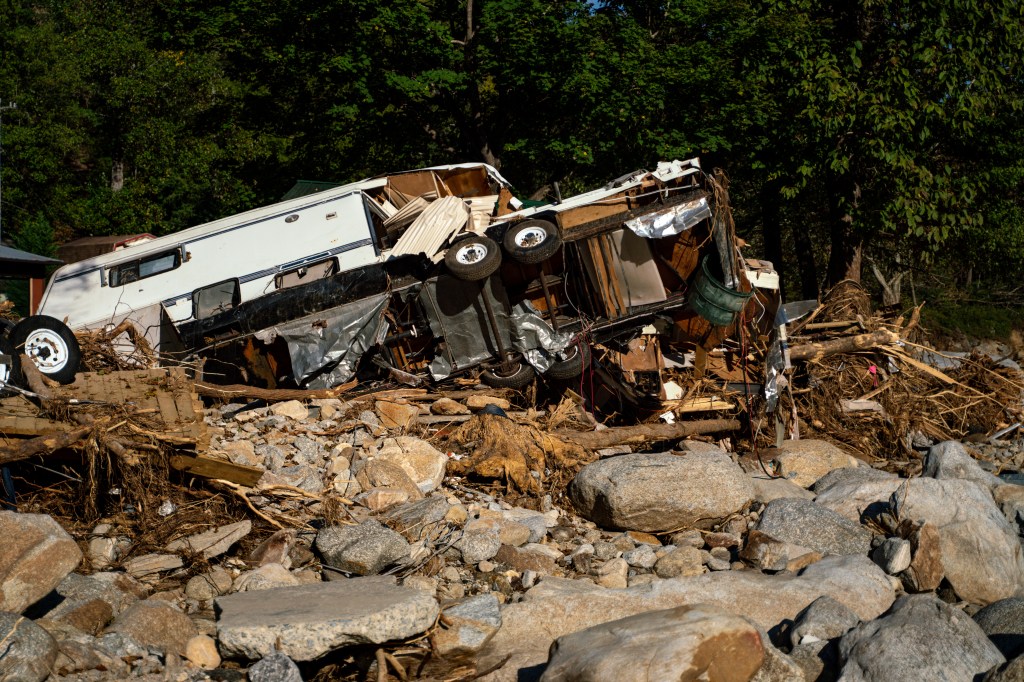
(215, 298)
(307, 273)
(144, 267)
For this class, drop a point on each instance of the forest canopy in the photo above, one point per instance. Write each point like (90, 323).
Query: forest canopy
(857, 136)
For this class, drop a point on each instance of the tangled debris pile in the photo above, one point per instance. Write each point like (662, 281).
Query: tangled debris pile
(457, 534)
(604, 450)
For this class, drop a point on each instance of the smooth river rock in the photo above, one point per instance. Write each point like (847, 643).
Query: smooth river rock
(307, 621)
(661, 491)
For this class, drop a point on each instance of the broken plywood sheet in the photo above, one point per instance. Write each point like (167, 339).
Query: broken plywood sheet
(19, 417)
(164, 392)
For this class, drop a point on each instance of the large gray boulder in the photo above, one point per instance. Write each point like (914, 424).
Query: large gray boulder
(980, 552)
(558, 607)
(950, 459)
(27, 652)
(661, 491)
(823, 620)
(35, 555)
(806, 460)
(859, 496)
(805, 523)
(1003, 622)
(365, 549)
(921, 638)
(685, 642)
(307, 621)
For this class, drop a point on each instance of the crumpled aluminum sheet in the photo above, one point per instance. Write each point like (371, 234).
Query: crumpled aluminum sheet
(774, 365)
(326, 347)
(670, 221)
(535, 339)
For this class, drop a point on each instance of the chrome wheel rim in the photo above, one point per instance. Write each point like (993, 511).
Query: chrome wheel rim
(47, 350)
(471, 253)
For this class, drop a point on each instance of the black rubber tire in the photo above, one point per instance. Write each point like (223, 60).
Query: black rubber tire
(50, 344)
(5, 326)
(473, 258)
(532, 241)
(10, 373)
(521, 376)
(572, 366)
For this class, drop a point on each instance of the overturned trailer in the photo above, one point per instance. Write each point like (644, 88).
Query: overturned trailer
(437, 273)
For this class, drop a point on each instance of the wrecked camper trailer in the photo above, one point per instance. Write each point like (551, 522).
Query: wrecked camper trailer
(437, 273)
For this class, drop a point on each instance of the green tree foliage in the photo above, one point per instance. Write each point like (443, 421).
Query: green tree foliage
(891, 94)
(839, 123)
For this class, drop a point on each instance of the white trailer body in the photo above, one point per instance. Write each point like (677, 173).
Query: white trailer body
(245, 253)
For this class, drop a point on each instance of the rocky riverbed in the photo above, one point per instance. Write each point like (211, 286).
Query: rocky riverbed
(363, 556)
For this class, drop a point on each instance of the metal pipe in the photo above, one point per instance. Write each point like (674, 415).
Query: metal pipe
(550, 301)
(493, 320)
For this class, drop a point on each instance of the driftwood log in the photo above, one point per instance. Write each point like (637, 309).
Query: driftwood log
(627, 435)
(231, 391)
(848, 344)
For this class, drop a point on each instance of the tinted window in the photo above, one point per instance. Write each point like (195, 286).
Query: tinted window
(144, 267)
(215, 298)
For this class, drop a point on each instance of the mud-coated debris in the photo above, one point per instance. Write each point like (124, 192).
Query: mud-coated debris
(365, 549)
(396, 415)
(506, 451)
(890, 647)
(685, 642)
(275, 667)
(659, 492)
(27, 651)
(35, 555)
(307, 621)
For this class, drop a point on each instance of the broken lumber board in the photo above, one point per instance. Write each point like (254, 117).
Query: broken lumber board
(702, 404)
(208, 467)
(848, 344)
(625, 435)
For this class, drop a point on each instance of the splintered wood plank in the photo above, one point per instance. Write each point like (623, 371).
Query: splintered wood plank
(207, 467)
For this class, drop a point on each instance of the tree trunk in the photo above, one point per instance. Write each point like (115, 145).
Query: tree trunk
(771, 229)
(476, 113)
(844, 261)
(805, 263)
